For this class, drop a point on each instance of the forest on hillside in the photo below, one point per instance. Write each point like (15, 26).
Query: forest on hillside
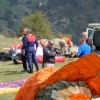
(67, 16)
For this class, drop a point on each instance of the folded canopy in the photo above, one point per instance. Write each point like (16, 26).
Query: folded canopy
(86, 68)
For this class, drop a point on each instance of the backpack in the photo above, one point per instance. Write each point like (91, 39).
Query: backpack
(57, 51)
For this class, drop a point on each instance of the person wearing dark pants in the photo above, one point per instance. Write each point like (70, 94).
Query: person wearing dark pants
(31, 58)
(30, 41)
(23, 55)
(23, 58)
(48, 54)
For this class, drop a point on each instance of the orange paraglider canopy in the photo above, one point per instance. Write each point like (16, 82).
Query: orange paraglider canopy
(79, 97)
(26, 91)
(86, 68)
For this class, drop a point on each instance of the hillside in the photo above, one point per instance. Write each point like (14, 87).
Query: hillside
(67, 16)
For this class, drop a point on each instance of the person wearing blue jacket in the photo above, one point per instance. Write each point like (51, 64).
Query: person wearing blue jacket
(30, 44)
(23, 55)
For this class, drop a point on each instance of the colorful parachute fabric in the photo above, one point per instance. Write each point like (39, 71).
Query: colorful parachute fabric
(63, 90)
(10, 87)
(49, 83)
(27, 90)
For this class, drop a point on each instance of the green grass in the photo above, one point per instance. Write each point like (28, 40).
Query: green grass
(7, 42)
(12, 72)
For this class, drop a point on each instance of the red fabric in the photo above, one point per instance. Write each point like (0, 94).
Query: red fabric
(16, 46)
(60, 58)
(40, 59)
(57, 59)
(31, 38)
(19, 62)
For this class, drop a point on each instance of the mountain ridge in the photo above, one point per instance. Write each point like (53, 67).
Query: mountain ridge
(66, 16)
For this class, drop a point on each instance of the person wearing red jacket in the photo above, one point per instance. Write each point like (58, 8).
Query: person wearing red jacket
(65, 45)
(30, 45)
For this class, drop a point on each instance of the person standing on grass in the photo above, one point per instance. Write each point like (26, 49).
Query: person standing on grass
(23, 55)
(48, 55)
(29, 44)
(88, 41)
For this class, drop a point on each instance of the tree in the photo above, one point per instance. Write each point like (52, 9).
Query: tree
(39, 25)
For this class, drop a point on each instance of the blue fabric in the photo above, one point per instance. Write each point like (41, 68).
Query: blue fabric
(31, 57)
(27, 44)
(23, 40)
(84, 49)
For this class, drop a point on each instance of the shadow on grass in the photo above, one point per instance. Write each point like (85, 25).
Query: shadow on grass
(13, 64)
(13, 72)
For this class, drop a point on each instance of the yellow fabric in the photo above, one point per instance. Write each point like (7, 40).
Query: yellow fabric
(9, 90)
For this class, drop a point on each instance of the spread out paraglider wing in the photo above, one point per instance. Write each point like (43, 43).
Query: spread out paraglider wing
(76, 79)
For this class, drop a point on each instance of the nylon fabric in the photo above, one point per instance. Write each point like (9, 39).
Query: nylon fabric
(9, 90)
(86, 68)
(29, 88)
(31, 38)
(63, 89)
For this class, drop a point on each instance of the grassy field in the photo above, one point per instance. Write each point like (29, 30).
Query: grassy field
(12, 72)
(5, 43)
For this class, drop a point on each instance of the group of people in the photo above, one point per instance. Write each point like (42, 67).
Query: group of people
(30, 45)
(84, 48)
(29, 49)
